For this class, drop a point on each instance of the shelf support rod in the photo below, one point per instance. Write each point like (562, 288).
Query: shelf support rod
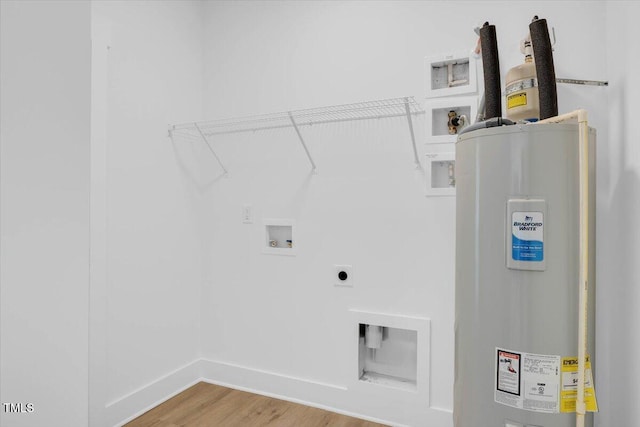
(413, 136)
(583, 82)
(306, 150)
(206, 141)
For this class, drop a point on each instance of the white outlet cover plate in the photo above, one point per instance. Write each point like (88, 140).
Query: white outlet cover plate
(247, 214)
(343, 283)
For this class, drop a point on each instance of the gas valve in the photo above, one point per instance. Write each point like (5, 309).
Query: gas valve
(454, 121)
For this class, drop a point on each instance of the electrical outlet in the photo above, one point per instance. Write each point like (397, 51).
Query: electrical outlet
(247, 214)
(343, 275)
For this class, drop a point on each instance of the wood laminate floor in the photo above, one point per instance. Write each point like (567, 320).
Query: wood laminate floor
(208, 405)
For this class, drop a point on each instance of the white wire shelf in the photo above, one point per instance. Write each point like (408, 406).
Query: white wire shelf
(388, 108)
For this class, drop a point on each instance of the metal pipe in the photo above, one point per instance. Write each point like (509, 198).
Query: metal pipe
(480, 113)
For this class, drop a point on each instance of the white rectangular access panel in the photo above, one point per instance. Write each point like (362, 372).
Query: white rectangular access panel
(440, 173)
(400, 360)
(450, 74)
(437, 117)
(279, 237)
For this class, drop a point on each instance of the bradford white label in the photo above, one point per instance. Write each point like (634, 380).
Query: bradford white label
(527, 236)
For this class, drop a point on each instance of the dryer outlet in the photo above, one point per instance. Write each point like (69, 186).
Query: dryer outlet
(343, 275)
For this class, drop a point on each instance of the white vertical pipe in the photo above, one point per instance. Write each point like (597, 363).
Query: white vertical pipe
(373, 336)
(583, 275)
(584, 262)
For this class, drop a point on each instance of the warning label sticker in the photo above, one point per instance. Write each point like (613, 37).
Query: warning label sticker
(508, 379)
(569, 392)
(517, 100)
(527, 381)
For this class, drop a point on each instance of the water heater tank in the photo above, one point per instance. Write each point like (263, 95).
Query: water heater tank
(517, 266)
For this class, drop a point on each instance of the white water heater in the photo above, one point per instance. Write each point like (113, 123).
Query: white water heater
(517, 267)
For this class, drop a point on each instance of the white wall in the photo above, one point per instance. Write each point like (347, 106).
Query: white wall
(45, 85)
(175, 275)
(618, 235)
(282, 315)
(146, 205)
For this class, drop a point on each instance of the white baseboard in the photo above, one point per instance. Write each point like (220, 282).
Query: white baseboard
(378, 404)
(381, 405)
(292, 389)
(136, 403)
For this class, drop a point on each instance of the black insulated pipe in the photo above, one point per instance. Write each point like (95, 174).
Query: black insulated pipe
(491, 70)
(546, 74)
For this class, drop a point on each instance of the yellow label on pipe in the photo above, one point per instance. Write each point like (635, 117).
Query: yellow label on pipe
(516, 100)
(569, 387)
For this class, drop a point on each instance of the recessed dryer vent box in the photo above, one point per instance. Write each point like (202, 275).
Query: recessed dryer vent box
(279, 237)
(450, 74)
(392, 351)
(440, 129)
(395, 363)
(440, 172)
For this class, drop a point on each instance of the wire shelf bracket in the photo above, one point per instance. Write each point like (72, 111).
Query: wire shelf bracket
(413, 136)
(226, 172)
(306, 150)
(380, 109)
